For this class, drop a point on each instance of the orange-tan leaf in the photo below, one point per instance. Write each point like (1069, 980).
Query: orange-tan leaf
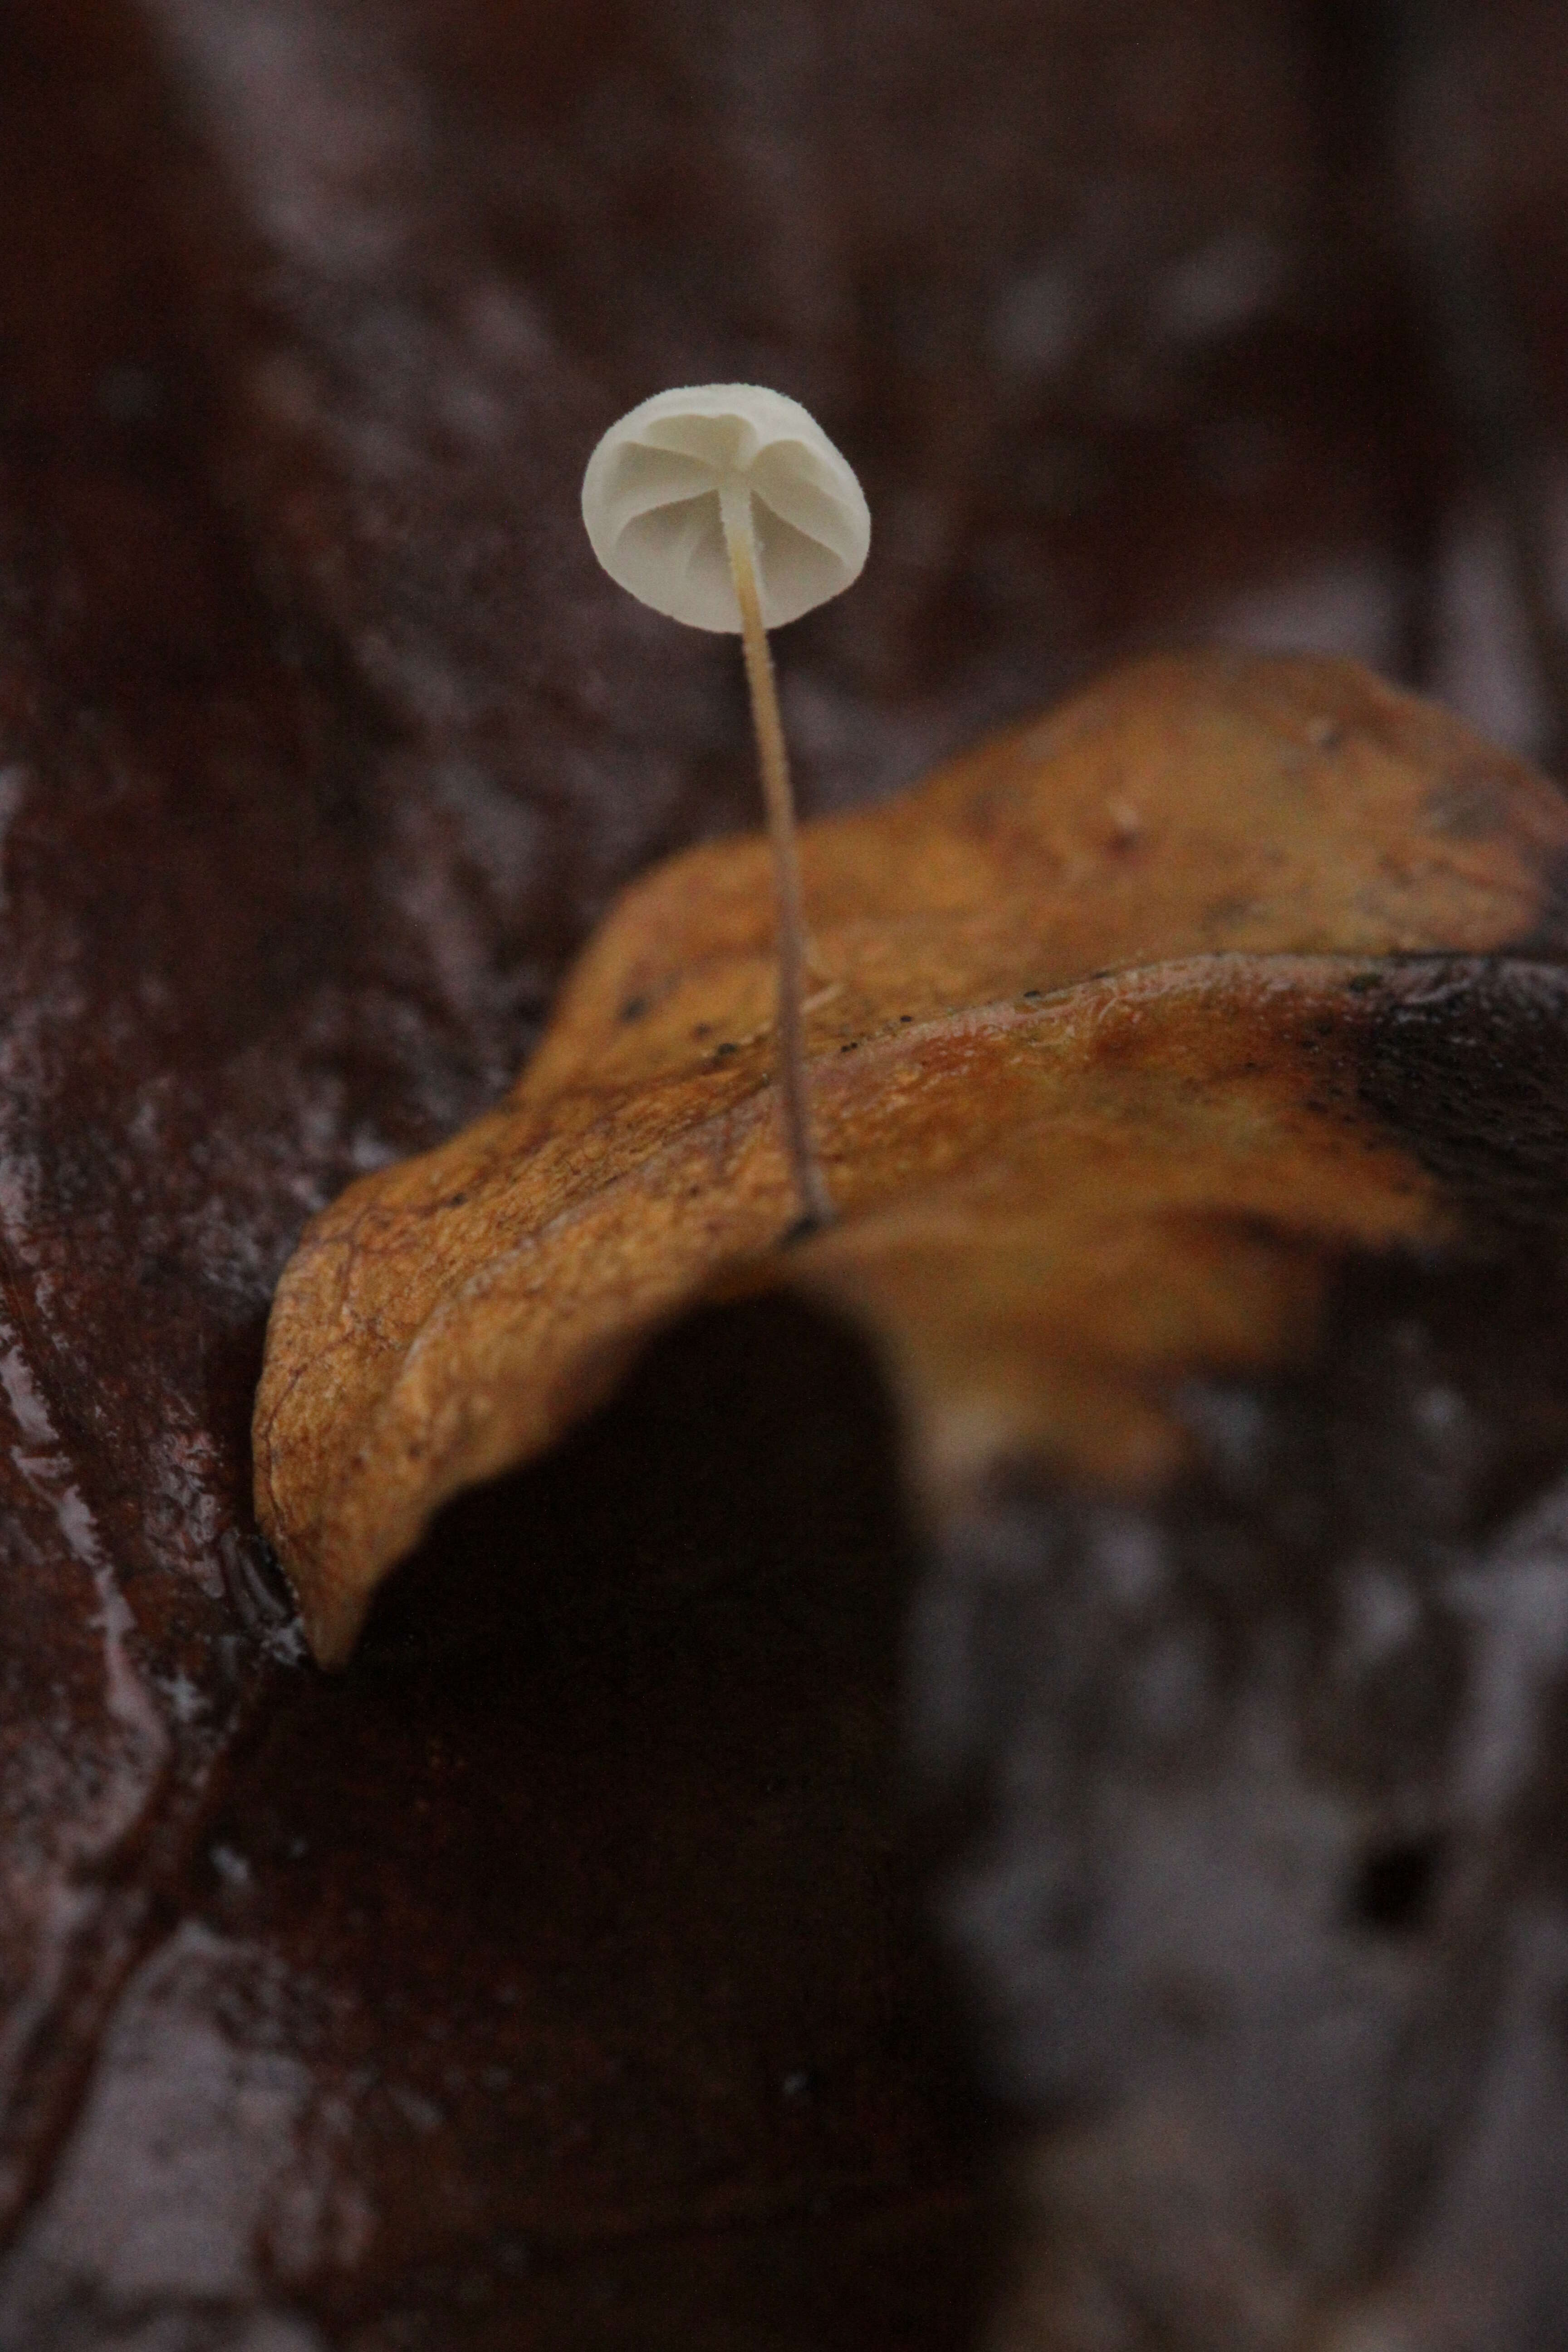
(1083, 1031)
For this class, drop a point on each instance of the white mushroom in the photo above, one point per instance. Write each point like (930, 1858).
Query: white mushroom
(657, 489)
(727, 507)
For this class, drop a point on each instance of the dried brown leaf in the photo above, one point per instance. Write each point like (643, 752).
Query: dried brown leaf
(1085, 1041)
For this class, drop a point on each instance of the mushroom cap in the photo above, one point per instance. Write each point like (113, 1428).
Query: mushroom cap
(651, 504)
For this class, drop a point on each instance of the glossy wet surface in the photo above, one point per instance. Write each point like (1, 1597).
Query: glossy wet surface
(320, 744)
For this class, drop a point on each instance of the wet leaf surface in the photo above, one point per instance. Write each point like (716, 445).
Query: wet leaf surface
(1253, 1820)
(320, 753)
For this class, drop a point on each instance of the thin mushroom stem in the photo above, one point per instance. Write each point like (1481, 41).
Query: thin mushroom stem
(811, 1186)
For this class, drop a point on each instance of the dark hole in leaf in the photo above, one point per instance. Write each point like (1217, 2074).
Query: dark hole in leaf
(1396, 1885)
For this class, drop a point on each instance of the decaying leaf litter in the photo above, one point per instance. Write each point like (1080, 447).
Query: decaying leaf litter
(1094, 1021)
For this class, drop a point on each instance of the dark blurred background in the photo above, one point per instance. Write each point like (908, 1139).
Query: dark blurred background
(556, 1977)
